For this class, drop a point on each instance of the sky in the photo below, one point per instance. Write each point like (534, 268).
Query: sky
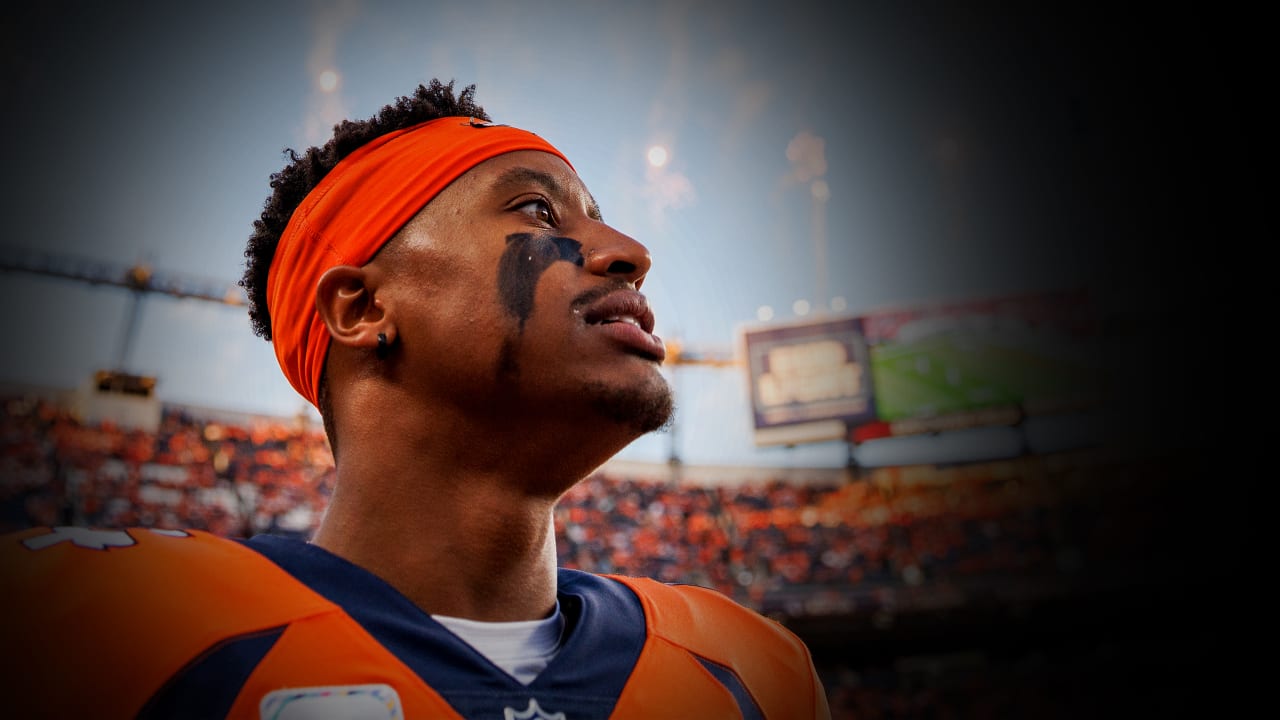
(964, 152)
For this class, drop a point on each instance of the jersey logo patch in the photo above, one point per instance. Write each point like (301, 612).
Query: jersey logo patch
(533, 712)
(333, 702)
(89, 538)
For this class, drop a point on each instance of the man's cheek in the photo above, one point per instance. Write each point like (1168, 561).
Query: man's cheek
(522, 264)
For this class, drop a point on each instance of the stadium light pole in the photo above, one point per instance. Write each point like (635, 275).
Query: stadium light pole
(679, 356)
(808, 157)
(136, 279)
(820, 192)
(139, 279)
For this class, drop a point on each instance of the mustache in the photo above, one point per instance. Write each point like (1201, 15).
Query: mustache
(600, 292)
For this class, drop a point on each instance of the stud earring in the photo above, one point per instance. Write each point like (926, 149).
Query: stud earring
(383, 348)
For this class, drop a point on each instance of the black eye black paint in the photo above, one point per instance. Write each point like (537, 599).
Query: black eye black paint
(528, 256)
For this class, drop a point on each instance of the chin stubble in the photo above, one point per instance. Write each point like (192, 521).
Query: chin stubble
(645, 408)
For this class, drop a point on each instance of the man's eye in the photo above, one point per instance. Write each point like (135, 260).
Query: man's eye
(539, 210)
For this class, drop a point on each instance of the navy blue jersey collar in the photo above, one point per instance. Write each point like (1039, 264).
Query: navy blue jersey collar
(604, 633)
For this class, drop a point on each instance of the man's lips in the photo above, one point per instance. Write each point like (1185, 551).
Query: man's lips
(620, 306)
(625, 315)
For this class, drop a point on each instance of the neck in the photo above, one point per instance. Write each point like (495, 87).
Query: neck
(461, 527)
(453, 507)
(457, 548)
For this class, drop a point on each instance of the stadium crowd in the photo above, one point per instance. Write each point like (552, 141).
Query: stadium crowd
(879, 541)
(896, 528)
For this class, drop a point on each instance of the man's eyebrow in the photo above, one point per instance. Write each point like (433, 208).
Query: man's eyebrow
(552, 186)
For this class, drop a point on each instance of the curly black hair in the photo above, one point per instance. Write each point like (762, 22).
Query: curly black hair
(305, 170)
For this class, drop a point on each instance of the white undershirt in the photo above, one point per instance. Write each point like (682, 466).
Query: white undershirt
(522, 649)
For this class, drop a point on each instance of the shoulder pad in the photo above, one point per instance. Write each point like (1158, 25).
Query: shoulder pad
(771, 661)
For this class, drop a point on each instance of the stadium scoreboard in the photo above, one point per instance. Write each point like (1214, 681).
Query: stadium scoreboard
(923, 369)
(809, 381)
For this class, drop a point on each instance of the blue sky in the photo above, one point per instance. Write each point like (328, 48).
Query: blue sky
(961, 153)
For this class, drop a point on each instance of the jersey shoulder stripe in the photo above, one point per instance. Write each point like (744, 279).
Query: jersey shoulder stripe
(210, 684)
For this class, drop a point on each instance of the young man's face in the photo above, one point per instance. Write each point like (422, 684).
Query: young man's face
(513, 295)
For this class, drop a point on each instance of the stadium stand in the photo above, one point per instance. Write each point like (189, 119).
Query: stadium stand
(1018, 588)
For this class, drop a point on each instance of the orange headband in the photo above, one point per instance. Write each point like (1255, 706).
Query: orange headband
(355, 210)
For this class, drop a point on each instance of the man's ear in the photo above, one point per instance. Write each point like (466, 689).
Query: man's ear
(346, 298)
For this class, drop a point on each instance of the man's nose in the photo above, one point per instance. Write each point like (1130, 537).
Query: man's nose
(615, 254)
